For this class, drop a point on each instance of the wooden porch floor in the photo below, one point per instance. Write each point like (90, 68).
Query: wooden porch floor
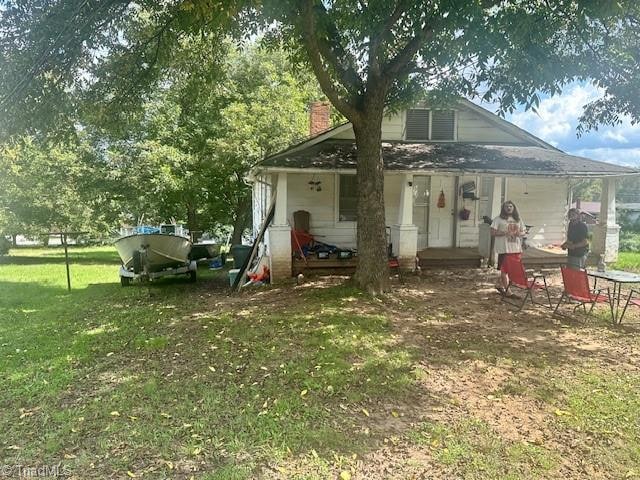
(449, 257)
(433, 258)
(544, 257)
(469, 257)
(326, 265)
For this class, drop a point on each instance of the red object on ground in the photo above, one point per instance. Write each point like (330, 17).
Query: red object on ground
(259, 277)
(300, 239)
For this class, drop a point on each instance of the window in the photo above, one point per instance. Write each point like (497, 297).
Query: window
(425, 125)
(417, 124)
(347, 198)
(442, 125)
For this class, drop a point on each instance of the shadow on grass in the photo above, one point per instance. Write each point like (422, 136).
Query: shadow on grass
(27, 295)
(212, 389)
(159, 373)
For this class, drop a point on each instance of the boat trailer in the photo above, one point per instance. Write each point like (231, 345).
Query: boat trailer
(141, 272)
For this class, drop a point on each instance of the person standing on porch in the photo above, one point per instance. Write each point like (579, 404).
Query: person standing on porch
(507, 230)
(577, 244)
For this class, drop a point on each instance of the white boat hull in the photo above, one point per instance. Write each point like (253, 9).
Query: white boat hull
(159, 251)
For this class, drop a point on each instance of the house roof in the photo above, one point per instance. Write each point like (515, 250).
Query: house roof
(334, 154)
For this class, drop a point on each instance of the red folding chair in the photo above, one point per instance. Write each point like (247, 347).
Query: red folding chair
(631, 301)
(576, 289)
(518, 278)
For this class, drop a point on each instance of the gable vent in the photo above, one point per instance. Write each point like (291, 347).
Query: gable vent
(443, 125)
(417, 125)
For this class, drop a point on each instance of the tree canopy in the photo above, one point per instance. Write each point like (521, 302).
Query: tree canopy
(369, 58)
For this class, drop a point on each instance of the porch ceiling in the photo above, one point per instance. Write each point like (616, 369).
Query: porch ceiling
(450, 157)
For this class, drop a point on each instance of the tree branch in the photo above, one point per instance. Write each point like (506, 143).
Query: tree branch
(60, 41)
(393, 68)
(377, 35)
(310, 41)
(334, 54)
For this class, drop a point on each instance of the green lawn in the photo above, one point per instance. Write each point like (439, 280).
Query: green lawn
(629, 261)
(150, 379)
(179, 380)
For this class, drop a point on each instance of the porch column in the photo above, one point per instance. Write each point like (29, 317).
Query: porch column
(494, 203)
(606, 233)
(495, 197)
(280, 235)
(404, 234)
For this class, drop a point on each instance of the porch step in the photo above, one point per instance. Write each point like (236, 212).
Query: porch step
(319, 266)
(449, 257)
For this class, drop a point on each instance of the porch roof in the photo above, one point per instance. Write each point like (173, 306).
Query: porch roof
(333, 154)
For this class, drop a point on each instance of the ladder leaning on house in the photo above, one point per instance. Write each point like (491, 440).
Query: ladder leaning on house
(237, 283)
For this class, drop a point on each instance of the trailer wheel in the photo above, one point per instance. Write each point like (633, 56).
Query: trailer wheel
(137, 261)
(192, 276)
(125, 281)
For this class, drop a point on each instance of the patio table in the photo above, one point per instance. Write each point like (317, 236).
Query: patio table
(618, 278)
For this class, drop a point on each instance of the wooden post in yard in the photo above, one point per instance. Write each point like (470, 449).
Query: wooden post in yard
(63, 238)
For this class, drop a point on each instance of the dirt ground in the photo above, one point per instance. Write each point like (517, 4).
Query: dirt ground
(478, 358)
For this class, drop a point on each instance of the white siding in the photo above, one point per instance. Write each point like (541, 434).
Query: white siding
(543, 204)
(471, 127)
(261, 201)
(322, 207)
(474, 128)
(467, 233)
(392, 129)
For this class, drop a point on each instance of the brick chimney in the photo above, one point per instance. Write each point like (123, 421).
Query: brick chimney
(319, 120)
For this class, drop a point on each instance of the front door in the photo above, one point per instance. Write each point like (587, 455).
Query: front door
(441, 213)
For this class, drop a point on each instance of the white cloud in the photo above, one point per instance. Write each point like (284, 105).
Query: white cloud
(616, 136)
(557, 117)
(621, 156)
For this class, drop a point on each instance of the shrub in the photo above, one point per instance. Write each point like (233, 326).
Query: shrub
(629, 241)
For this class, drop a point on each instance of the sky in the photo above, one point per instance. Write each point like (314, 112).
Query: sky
(556, 120)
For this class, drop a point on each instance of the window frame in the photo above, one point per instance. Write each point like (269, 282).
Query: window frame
(338, 222)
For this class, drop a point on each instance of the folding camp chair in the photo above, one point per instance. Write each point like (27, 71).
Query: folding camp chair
(631, 301)
(518, 278)
(576, 289)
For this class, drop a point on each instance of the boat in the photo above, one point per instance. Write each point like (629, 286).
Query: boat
(205, 249)
(152, 252)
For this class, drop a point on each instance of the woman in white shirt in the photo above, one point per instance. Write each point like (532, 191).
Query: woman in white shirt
(507, 230)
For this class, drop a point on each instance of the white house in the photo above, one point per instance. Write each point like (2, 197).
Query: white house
(438, 163)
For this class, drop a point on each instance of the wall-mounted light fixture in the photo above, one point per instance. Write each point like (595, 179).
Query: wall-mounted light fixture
(315, 186)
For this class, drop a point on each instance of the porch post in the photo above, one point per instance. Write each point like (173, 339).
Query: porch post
(404, 234)
(606, 233)
(495, 195)
(280, 235)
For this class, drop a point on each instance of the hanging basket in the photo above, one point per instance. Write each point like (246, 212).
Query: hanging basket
(441, 199)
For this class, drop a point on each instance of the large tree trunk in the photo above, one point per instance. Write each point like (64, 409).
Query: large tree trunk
(241, 221)
(372, 273)
(192, 221)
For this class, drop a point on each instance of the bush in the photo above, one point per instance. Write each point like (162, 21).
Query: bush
(629, 241)
(628, 222)
(5, 245)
